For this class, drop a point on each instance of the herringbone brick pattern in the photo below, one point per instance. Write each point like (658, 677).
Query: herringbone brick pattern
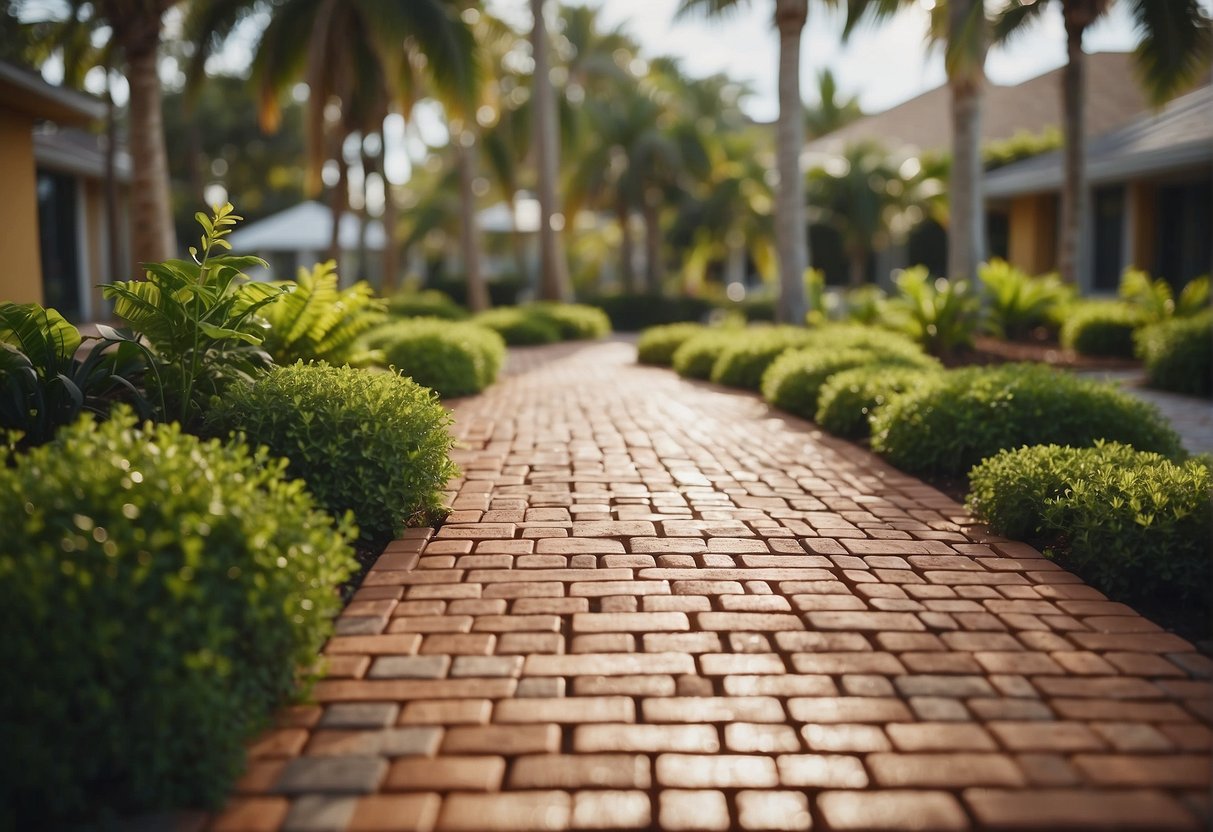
(658, 604)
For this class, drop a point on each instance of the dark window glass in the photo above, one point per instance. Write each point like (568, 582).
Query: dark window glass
(59, 240)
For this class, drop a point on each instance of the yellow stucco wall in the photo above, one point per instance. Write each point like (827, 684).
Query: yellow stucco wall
(1142, 205)
(1033, 233)
(21, 275)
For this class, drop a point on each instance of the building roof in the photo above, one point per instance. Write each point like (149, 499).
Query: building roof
(25, 92)
(1177, 137)
(77, 152)
(307, 226)
(924, 124)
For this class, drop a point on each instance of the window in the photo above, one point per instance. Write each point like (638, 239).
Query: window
(59, 241)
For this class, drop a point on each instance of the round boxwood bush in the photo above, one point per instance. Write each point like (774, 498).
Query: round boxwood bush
(370, 442)
(518, 327)
(162, 594)
(1178, 354)
(698, 354)
(1134, 524)
(742, 363)
(973, 413)
(449, 357)
(574, 321)
(1101, 328)
(847, 400)
(657, 344)
(794, 379)
(428, 303)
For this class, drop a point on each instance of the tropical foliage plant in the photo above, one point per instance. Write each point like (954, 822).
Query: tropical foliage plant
(314, 320)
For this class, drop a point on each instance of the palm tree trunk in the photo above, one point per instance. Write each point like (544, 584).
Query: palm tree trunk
(790, 229)
(113, 253)
(338, 202)
(654, 265)
(858, 266)
(391, 242)
(152, 235)
(627, 247)
(1074, 181)
(553, 269)
(364, 216)
(517, 245)
(478, 293)
(966, 223)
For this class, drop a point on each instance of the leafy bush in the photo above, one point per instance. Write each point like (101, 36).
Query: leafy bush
(847, 399)
(451, 357)
(742, 362)
(1155, 299)
(1101, 328)
(794, 380)
(369, 442)
(518, 327)
(973, 413)
(201, 319)
(428, 303)
(574, 321)
(632, 313)
(698, 354)
(1179, 354)
(1134, 524)
(314, 320)
(864, 305)
(940, 314)
(43, 386)
(1018, 303)
(657, 344)
(176, 588)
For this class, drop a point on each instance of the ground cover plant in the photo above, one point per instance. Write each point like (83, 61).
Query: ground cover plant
(453, 358)
(1134, 524)
(975, 412)
(178, 588)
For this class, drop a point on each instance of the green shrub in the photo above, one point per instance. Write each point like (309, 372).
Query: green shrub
(864, 305)
(314, 320)
(942, 315)
(369, 442)
(518, 327)
(657, 344)
(633, 313)
(1018, 303)
(1155, 299)
(574, 321)
(428, 303)
(200, 318)
(847, 399)
(974, 413)
(1101, 328)
(43, 386)
(162, 595)
(794, 380)
(698, 354)
(1134, 524)
(742, 363)
(452, 358)
(1179, 354)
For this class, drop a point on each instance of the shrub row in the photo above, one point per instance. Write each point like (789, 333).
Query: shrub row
(545, 323)
(453, 358)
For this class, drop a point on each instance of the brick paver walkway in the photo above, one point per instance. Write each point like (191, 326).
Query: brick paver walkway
(661, 605)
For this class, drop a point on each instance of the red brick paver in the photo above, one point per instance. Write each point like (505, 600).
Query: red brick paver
(662, 605)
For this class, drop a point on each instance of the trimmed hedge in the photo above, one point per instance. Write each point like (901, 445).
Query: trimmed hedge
(518, 327)
(1178, 354)
(794, 380)
(847, 399)
(742, 363)
(1101, 328)
(574, 321)
(697, 355)
(452, 358)
(428, 303)
(177, 588)
(658, 344)
(974, 413)
(372, 443)
(1134, 524)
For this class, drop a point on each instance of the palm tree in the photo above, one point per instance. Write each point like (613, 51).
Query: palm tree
(790, 229)
(553, 268)
(1174, 51)
(831, 111)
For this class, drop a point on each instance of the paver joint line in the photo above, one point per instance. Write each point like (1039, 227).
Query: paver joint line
(663, 606)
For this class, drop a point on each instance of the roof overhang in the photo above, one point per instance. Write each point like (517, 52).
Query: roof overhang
(26, 93)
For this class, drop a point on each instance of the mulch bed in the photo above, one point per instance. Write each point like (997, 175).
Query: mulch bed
(987, 351)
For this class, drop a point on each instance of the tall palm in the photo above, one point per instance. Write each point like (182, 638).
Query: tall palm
(553, 267)
(831, 111)
(1173, 52)
(790, 229)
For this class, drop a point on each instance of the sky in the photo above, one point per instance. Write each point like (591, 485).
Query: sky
(884, 64)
